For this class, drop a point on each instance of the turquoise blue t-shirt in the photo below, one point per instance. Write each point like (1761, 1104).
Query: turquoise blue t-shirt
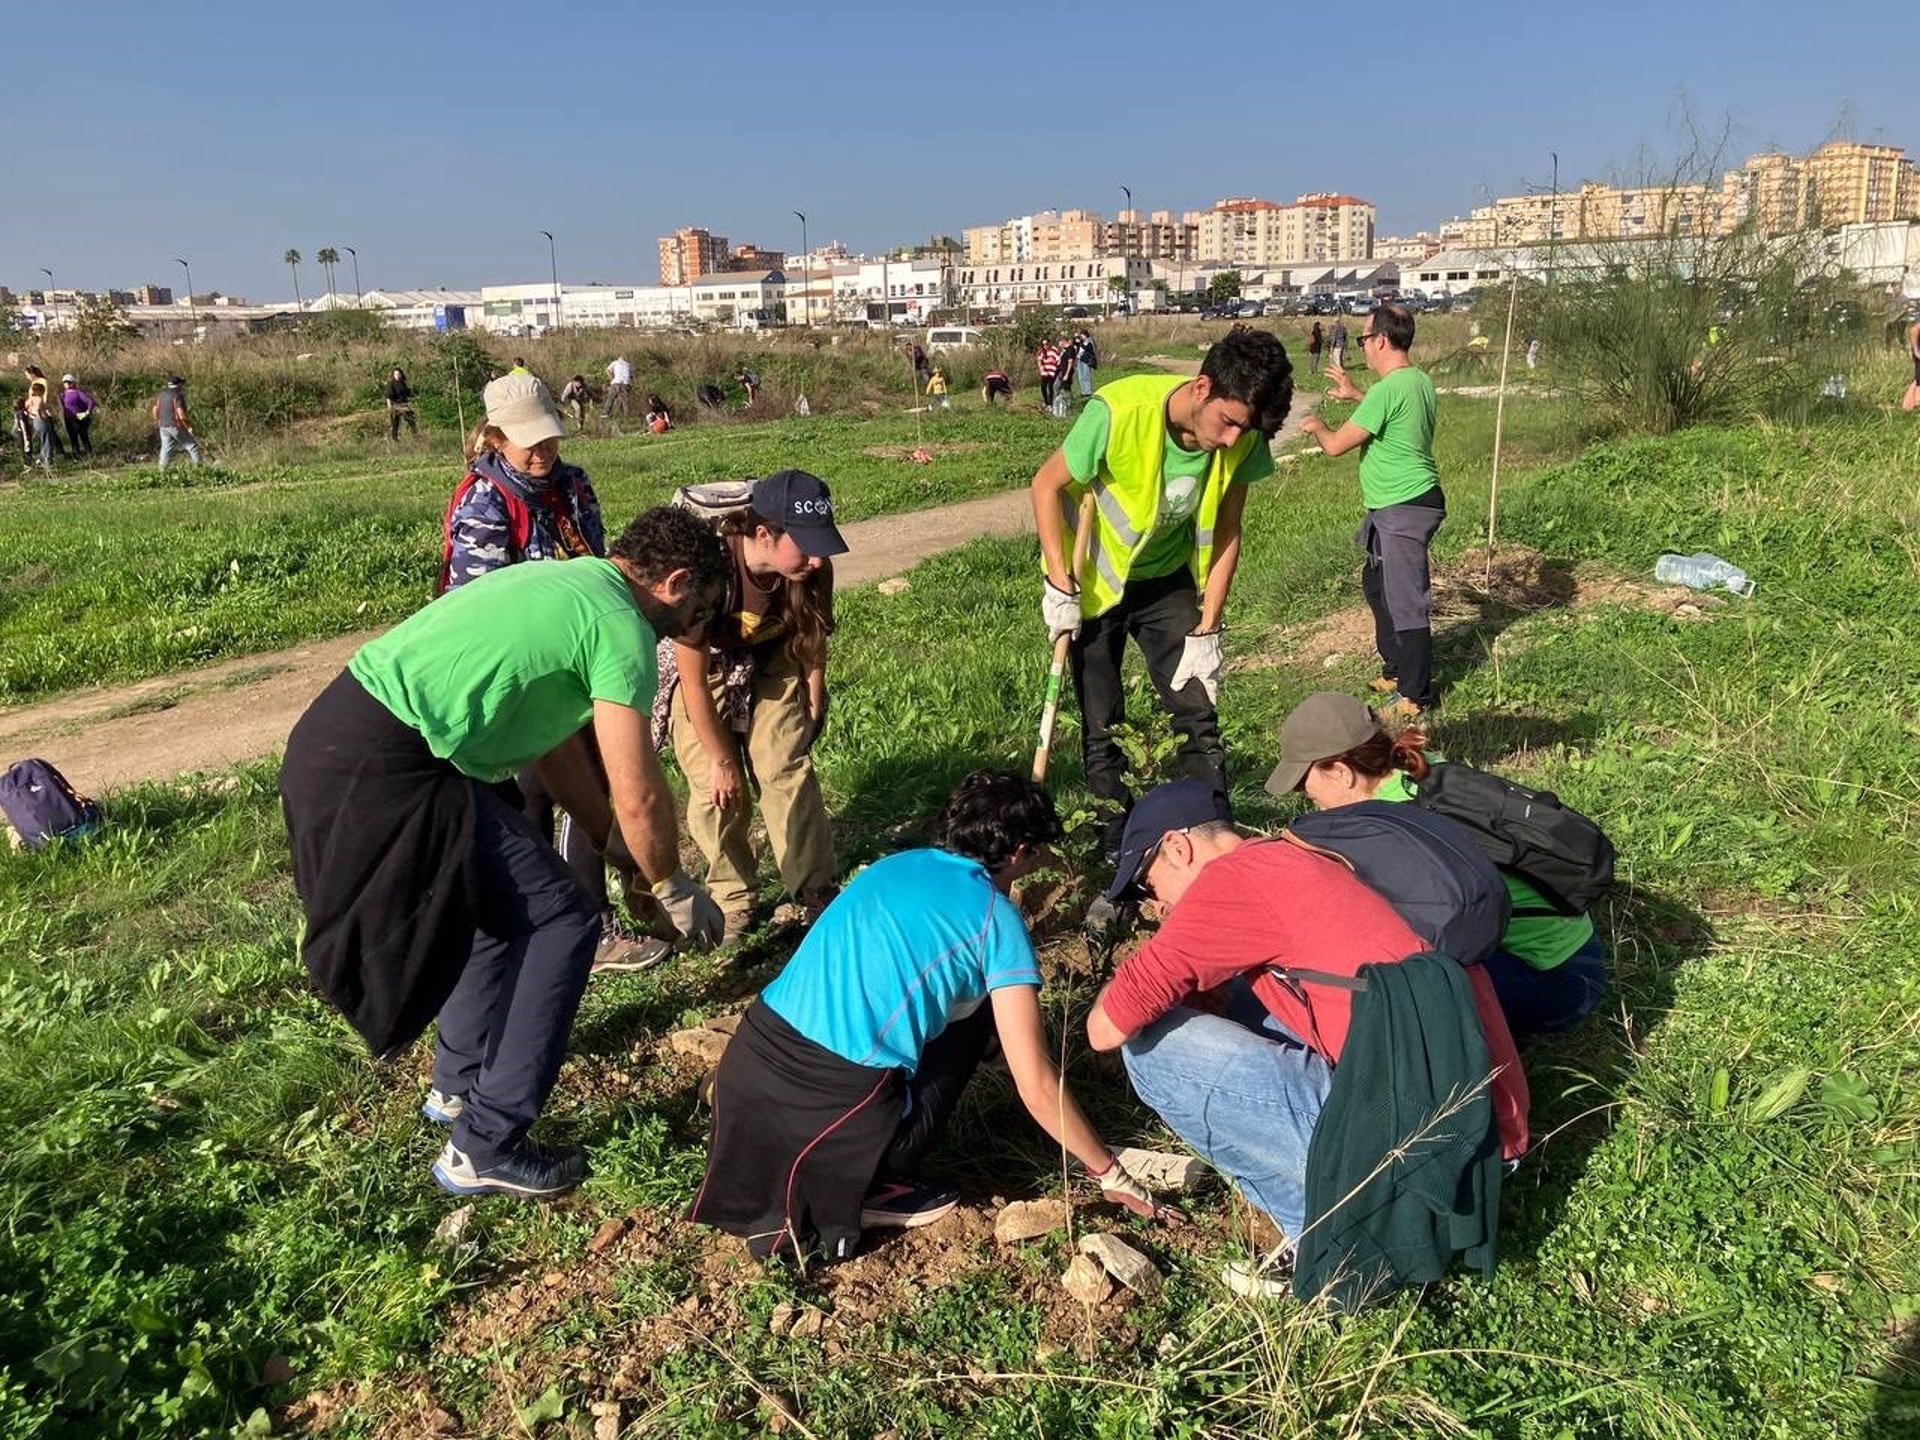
(916, 940)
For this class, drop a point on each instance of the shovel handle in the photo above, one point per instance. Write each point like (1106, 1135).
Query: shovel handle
(1050, 704)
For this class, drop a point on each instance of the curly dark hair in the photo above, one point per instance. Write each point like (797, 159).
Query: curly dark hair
(1252, 366)
(992, 813)
(667, 538)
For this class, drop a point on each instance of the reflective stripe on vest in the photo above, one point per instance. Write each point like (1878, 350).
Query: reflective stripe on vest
(1128, 489)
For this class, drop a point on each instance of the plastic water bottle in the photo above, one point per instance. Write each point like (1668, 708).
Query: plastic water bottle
(1702, 571)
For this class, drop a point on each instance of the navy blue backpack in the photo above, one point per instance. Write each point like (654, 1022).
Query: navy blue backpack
(41, 806)
(1430, 869)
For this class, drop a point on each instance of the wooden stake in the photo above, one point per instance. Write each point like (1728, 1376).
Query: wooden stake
(1499, 425)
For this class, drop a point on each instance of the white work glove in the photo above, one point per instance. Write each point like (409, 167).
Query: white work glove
(1117, 1187)
(1200, 660)
(691, 909)
(1060, 609)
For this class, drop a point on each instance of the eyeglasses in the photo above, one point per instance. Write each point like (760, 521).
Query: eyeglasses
(1153, 854)
(1366, 335)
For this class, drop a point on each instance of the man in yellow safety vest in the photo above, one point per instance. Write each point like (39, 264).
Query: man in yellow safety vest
(1168, 462)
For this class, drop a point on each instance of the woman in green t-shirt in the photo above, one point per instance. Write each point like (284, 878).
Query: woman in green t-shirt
(1550, 970)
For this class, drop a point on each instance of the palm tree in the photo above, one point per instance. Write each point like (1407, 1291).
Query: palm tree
(329, 257)
(292, 258)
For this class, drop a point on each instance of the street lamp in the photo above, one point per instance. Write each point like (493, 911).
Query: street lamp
(193, 310)
(1124, 190)
(806, 269)
(49, 274)
(356, 274)
(1553, 222)
(553, 267)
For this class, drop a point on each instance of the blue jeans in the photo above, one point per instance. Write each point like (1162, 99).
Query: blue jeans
(1242, 1092)
(1540, 1002)
(503, 1031)
(1083, 372)
(171, 437)
(43, 441)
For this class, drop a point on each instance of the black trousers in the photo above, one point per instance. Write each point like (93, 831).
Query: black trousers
(1159, 614)
(1406, 656)
(946, 1065)
(79, 435)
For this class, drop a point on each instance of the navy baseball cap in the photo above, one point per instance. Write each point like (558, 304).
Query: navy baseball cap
(802, 505)
(1173, 806)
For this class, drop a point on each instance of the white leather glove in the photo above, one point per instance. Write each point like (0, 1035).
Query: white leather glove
(691, 909)
(1060, 609)
(1117, 1187)
(1200, 659)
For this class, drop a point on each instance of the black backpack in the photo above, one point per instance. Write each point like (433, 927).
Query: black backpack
(42, 806)
(1557, 850)
(1430, 869)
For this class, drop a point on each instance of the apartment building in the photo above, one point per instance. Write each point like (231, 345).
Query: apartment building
(1159, 236)
(1244, 231)
(1089, 282)
(1856, 184)
(691, 252)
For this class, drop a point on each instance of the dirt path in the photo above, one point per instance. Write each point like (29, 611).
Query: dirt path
(239, 710)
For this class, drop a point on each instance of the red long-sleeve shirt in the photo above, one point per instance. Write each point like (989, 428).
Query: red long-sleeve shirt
(1270, 903)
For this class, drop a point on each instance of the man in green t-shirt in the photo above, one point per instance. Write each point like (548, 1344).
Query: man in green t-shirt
(1167, 463)
(428, 893)
(1400, 486)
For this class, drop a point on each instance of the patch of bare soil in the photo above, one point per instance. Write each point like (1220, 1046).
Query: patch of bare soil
(1466, 594)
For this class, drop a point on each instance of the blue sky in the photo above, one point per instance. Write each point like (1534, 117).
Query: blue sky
(438, 140)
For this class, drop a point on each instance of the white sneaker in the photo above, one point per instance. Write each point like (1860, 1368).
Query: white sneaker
(1268, 1278)
(441, 1108)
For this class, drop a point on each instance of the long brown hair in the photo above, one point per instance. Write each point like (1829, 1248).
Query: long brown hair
(803, 607)
(1380, 754)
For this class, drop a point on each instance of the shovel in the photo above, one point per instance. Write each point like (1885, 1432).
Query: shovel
(1050, 707)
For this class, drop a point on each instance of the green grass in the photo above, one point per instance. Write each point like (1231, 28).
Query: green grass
(137, 572)
(1718, 1236)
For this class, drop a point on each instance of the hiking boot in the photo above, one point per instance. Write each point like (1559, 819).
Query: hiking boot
(1384, 685)
(738, 925)
(1401, 710)
(902, 1205)
(529, 1171)
(1266, 1278)
(442, 1108)
(621, 949)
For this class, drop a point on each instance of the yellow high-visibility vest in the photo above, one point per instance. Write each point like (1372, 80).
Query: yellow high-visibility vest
(1127, 491)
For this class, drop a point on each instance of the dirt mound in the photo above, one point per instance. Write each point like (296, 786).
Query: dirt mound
(936, 450)
(1467, 593)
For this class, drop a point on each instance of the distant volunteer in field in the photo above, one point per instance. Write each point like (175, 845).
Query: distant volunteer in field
(520, 501)
(77, 405)
(426, 889)
(170, 417)
(43, 411)
(400, 406)
(1550, 969)
(845, 1071)
(1911, 400)
(619, 387)
(1400, 487)
(1168, 462)
(577, 397)
(747, 699)
(1281, 998)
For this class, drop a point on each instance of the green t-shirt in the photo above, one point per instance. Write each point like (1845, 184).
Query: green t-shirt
(1397, 463)
(1182, 473)
(1543, 941)
(496, 673)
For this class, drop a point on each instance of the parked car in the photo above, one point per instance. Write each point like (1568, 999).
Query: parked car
(953, 337)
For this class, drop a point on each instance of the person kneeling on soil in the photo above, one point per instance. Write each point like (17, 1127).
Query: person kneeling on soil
(426, 888)
(847, 1068)
(1234, 1018)
(1550, 969)
(761, 687)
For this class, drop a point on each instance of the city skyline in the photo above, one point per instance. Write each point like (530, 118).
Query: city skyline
(278, 138)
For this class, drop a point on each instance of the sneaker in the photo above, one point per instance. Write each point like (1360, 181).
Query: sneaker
(1384, 684)
(621, 949)
(529, 1171)
(1267, 1278)
(442, 1108)
(899, 1205)
(738, 925)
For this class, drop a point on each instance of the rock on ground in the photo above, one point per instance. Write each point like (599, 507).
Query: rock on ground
(1028, 1220)
(1086, 1281)
(1163, 1169)
(1126, 1264)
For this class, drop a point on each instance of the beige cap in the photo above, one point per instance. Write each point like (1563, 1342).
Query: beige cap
(519, 407)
